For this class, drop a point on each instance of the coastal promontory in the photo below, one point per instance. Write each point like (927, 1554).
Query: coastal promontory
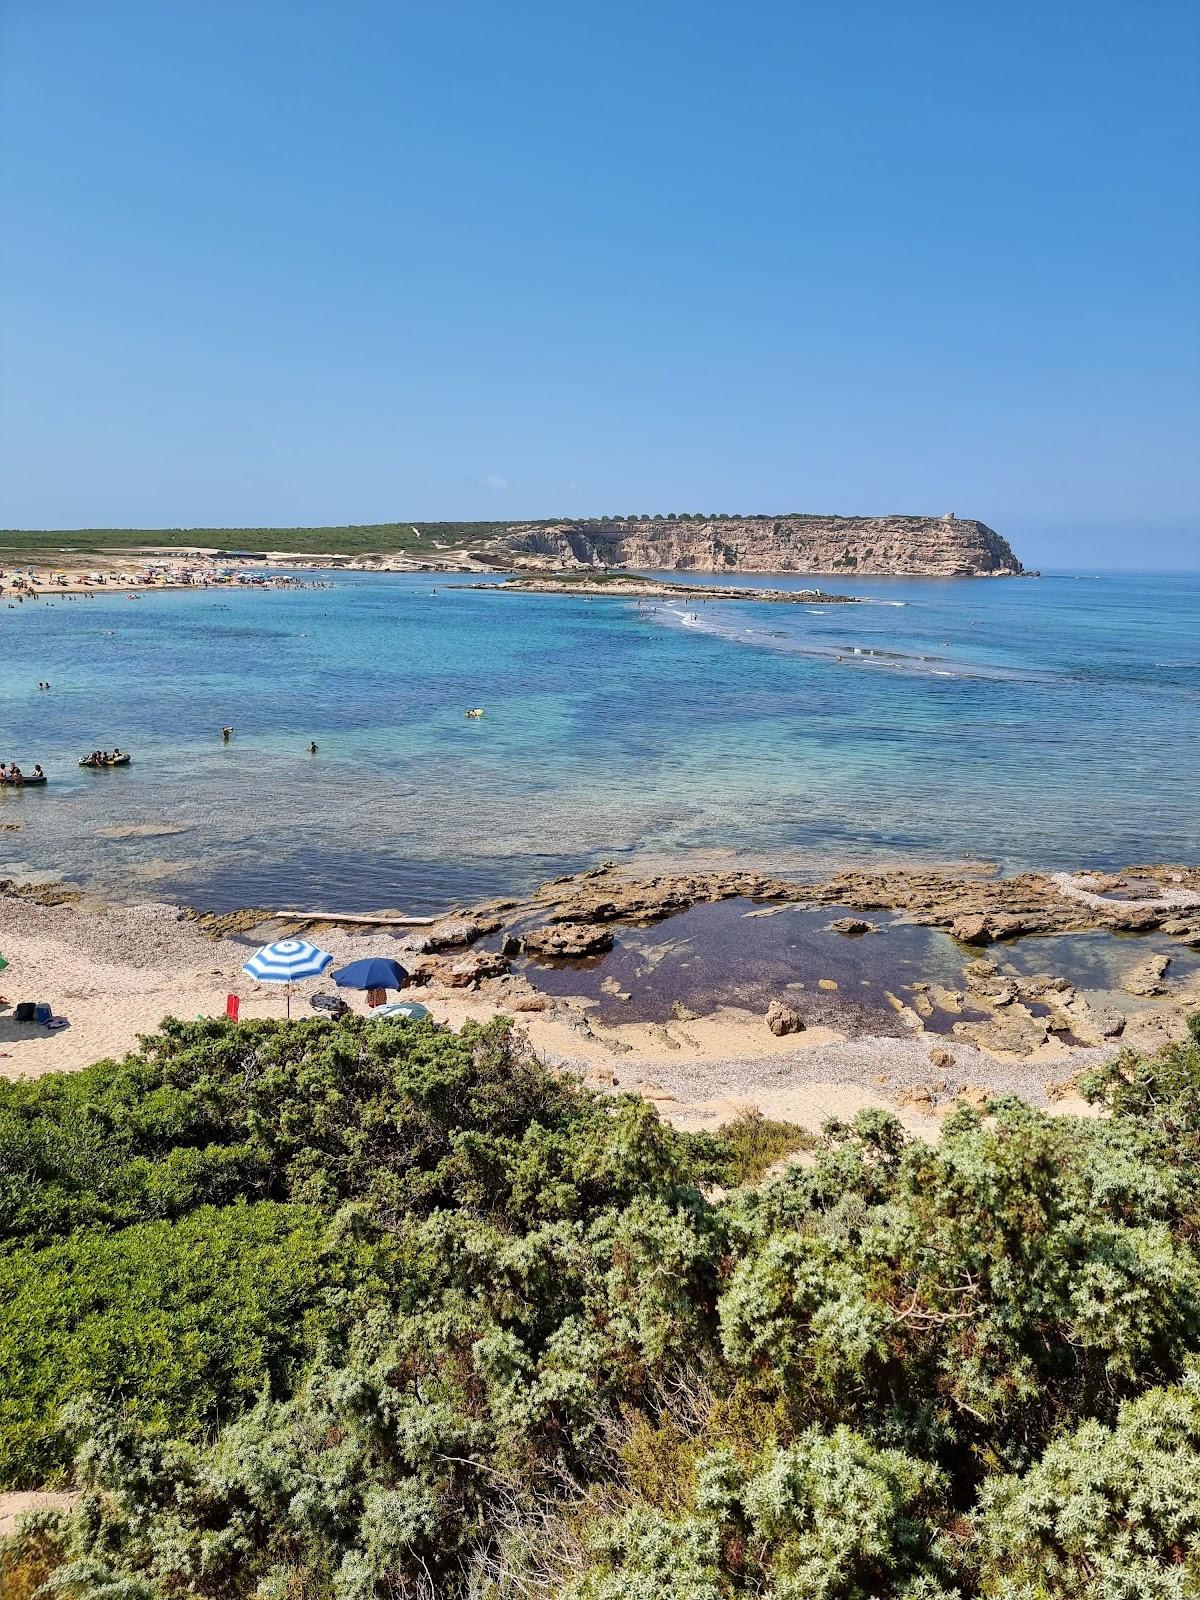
(946, 546)
(830, 546)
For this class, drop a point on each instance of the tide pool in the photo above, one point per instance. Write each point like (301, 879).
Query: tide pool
(1048, 723)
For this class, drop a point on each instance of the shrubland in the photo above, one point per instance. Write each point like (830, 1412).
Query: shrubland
(358, 1311)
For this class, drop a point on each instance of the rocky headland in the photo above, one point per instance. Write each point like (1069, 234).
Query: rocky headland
(945, 547)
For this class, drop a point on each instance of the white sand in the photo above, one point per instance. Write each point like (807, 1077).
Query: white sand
(16, 1503)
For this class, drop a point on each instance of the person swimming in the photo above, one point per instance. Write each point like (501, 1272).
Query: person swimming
(312, 748)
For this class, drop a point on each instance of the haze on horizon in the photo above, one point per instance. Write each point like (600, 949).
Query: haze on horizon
(302, 264)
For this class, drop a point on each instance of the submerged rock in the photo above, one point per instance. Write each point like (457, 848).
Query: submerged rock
(851, 926)
(1146, 977)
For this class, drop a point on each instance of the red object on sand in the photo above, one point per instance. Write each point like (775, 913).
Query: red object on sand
(231, 1007)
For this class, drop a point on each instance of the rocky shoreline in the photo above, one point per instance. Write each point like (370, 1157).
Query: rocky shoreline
(614, 587)
(968, 1025)
(490, 947)
(976, 907)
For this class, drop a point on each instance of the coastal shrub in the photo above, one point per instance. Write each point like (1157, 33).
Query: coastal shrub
(1161, 1092)
(1106, 1514)
(359, 1311)
(179, 1324)
(28, 1563)
(752, 1143)
(966, 1296)
(829, 1516)
(414, 1116)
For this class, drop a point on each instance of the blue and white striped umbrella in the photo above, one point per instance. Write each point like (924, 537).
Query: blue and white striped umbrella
(286, 961)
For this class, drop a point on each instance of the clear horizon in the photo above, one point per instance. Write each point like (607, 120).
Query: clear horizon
(291, 266)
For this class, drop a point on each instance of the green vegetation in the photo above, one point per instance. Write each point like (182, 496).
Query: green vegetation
(49, 547)
(752, 1144)
(177, 1321)
(359, 1311)
(382, 538)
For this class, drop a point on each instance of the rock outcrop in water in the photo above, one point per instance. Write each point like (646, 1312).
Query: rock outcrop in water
(909, 546)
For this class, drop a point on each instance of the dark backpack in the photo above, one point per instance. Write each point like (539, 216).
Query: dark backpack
(26, 1011)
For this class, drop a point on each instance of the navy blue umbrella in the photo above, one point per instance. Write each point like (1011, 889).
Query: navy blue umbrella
(372, 972)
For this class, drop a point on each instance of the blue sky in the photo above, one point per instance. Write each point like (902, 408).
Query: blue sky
(274, 263)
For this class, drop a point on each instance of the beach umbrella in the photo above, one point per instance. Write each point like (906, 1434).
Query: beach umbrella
(412, 1009)
(372, 972)
(286, 961)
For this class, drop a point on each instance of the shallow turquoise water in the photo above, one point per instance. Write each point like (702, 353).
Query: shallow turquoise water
(1051, 722)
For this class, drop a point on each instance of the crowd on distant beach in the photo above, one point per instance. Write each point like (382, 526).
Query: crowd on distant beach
(29, 583)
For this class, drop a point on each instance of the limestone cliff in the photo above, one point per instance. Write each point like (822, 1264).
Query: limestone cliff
(914, 546)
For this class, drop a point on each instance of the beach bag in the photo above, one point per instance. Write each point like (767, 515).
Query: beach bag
(25, 1011)
(42, 1013)
(232, 1005)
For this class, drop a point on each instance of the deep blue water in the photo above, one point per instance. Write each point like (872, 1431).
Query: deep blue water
(1051, 722)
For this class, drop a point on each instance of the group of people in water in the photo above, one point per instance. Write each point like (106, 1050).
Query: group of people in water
(104, 758)
(13, 774)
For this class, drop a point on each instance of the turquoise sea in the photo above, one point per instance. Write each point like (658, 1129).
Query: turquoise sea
(1051, 722)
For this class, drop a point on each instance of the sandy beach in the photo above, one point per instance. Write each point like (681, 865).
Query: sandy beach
(135, 573)
(115, 971)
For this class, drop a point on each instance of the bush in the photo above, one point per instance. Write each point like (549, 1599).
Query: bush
(1106, 1514)
(350, 1312)
(413, 1117)
(752, 1143)
(178, 1323)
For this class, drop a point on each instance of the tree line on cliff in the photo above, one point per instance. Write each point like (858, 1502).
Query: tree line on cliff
(349, 1311)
